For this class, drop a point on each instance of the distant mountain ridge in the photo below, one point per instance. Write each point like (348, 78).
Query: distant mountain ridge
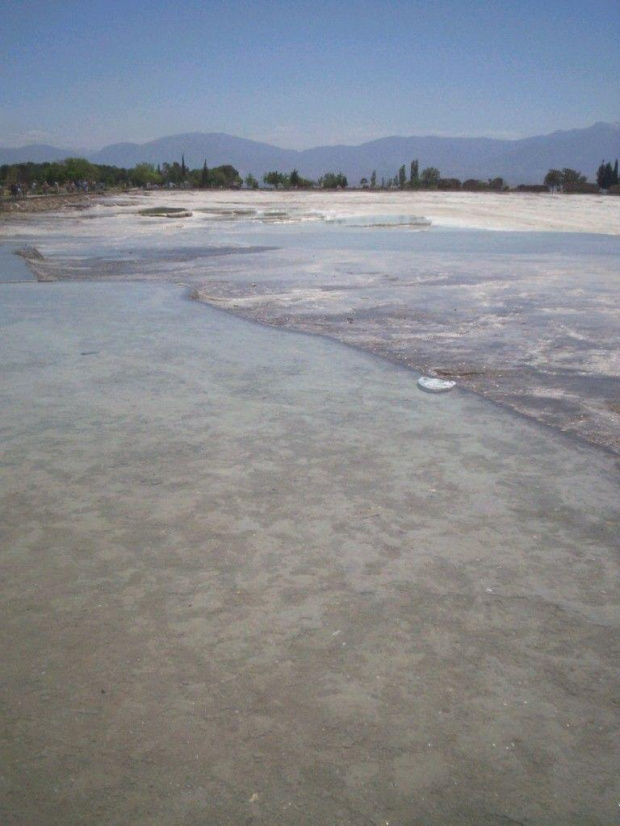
(39, 153)
(526, 160)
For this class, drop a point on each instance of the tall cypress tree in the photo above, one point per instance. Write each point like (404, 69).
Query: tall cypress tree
(204, 177)
(602, 175)
(614, 179)
(183, 167)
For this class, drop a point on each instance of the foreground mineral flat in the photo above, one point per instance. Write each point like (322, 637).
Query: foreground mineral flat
(254, 577)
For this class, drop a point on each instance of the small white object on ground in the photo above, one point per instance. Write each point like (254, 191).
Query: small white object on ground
(431, 385)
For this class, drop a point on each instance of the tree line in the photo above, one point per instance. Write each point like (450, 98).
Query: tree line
(76, 172)
(557, 180)
(282, 180)
(79, 172)
(560, 179)
(429, 178)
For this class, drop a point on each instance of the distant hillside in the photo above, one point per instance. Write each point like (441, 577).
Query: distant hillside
(518, 161)
(216, 147)
(38, 153)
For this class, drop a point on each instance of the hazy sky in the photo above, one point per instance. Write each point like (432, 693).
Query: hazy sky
(84, 73)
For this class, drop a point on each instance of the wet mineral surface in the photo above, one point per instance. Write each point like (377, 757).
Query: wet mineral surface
(529, 319)
(255, 577)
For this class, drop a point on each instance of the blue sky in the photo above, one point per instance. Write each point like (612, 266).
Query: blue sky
(85, 73)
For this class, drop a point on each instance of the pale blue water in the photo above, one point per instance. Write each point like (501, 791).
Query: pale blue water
(231, 552)
(538, 308)
(13, 267)
(434, 240)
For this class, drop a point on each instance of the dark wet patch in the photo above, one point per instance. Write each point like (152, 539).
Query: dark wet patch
(559, 408)
(144, 265)
(165, 212)
(29, 253)
(193, 253)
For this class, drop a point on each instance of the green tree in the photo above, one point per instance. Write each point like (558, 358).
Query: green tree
(614, 176)
(430, 177)
(172, 173)
(474, 185)
(144, 174)
(331, 180)
(373, 179)
(605, 175)
(449, 183)
(571, 176)
(226, 177)
(402, 177)
(79, 169)
(296, 181)
(57, 173)
(364, 183)
(414, 174)
(554, 179)
(250, 181)
(112, 176)
(205, 176)
(274, 179)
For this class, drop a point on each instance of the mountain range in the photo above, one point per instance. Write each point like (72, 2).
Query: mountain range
(526, 160)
